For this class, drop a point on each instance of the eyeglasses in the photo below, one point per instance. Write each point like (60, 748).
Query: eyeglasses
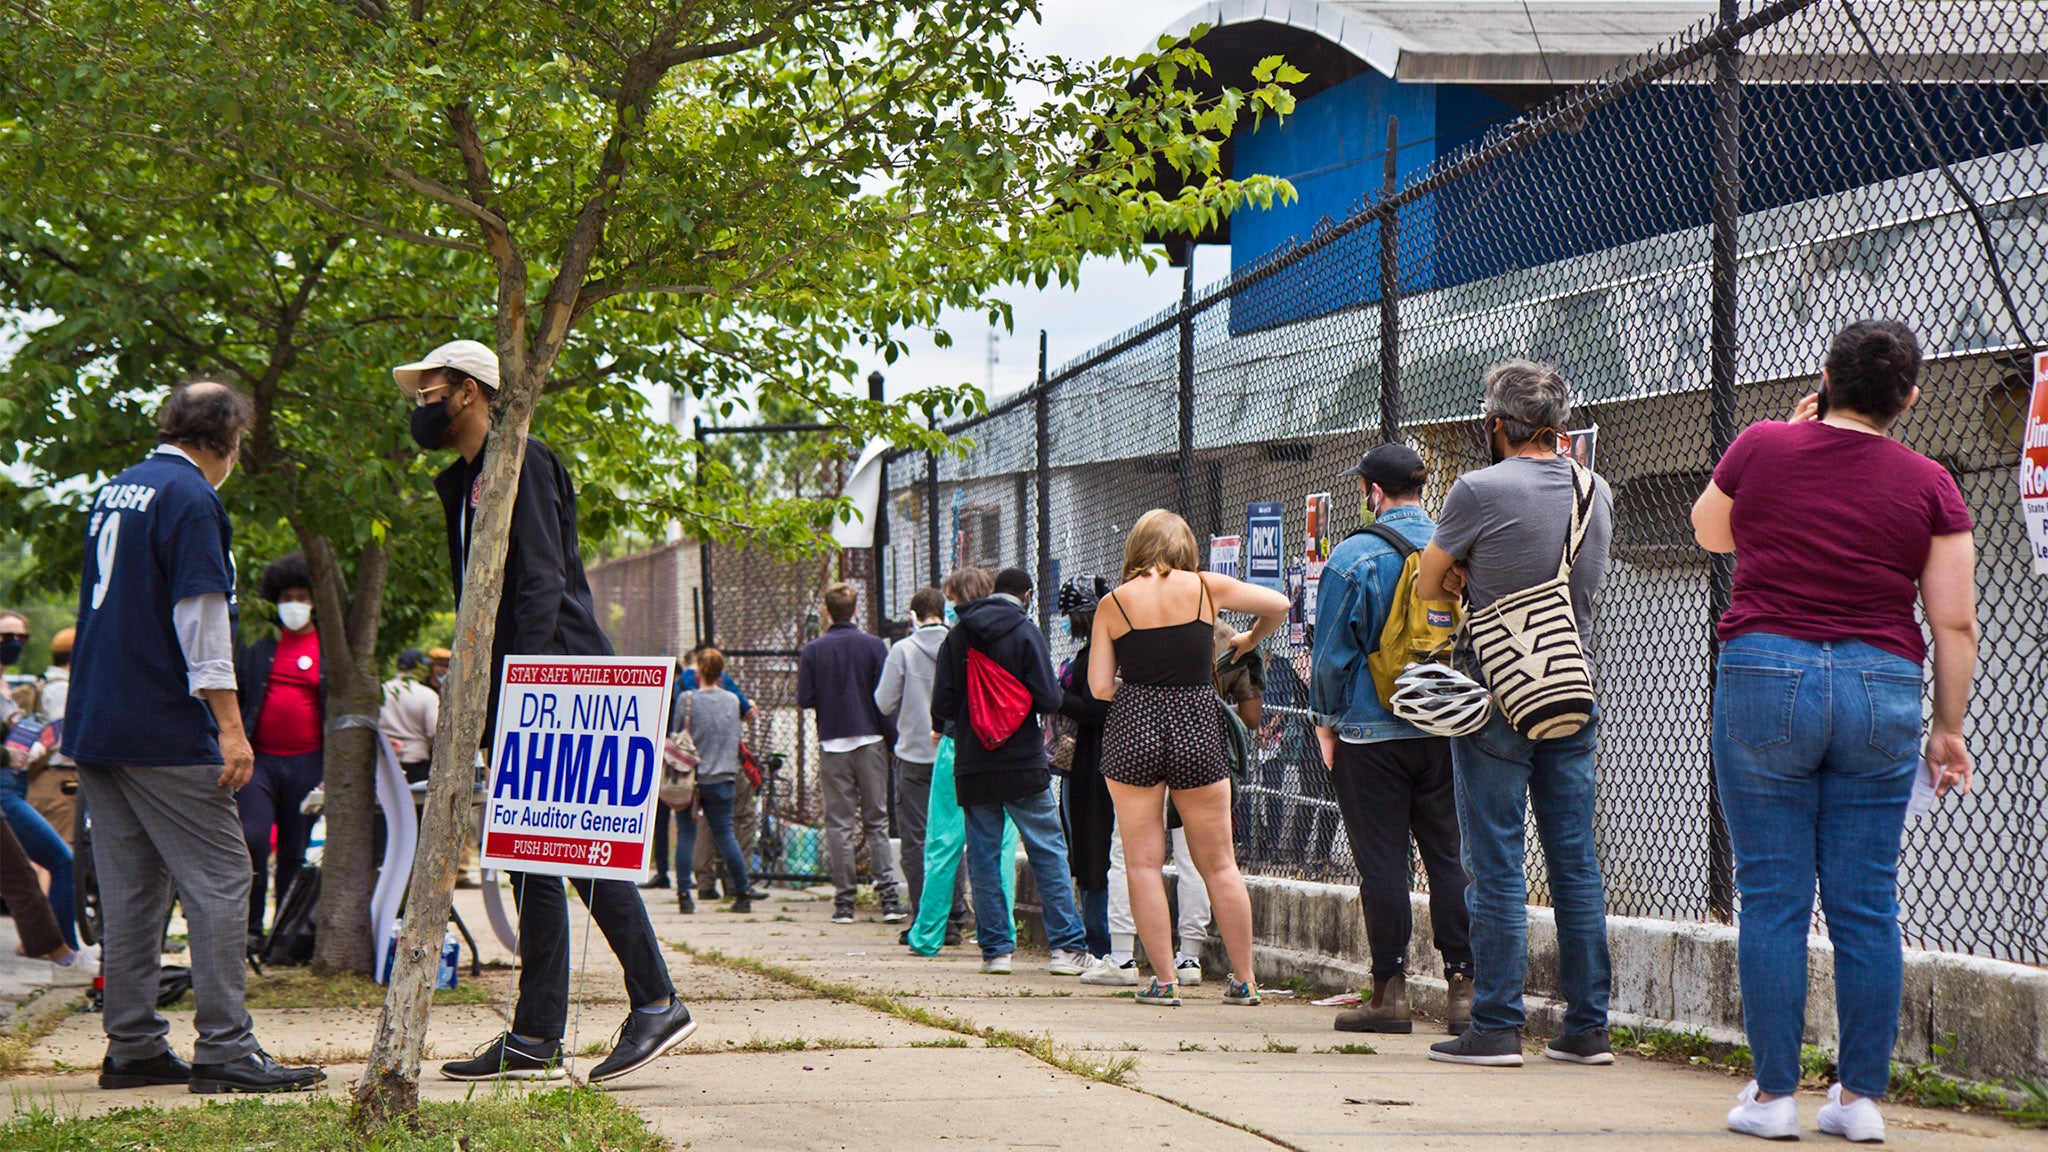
(21, 636)
(420, 399)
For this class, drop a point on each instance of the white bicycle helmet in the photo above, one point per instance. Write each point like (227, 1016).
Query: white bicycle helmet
(1440, 700)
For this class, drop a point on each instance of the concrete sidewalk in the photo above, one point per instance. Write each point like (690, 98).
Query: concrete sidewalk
(1206, 1075)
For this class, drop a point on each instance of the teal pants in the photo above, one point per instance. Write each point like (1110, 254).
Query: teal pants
(945, 842)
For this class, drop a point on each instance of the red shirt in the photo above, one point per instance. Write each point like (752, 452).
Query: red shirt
(290, 723)
(1832, 529)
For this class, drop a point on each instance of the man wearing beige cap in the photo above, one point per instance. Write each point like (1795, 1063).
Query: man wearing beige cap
(545, 610)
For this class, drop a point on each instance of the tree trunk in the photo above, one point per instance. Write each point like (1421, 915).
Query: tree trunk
(390, 1085)
(345, 942)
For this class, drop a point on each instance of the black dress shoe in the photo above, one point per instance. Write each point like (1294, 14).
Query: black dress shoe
(952, 937)
(163, 1068)
(707, 892)
(256, 1072)
(644, 1036)
(660, 880)
(757, 892)
(509, 1058)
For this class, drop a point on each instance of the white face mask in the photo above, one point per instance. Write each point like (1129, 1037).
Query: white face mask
(295, 616)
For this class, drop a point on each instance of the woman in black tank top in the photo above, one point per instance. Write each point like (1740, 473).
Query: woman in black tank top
(1164, 733)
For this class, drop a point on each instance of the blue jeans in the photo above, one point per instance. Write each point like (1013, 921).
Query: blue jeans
(717, 800)
(1095, 921)
(1814, 750)
(44, 846)
(1501, 775)
(1037, 818)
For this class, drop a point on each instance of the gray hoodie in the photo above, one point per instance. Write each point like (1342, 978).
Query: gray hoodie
(906, 692)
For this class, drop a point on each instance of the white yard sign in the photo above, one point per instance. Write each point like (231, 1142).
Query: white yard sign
(575, 764)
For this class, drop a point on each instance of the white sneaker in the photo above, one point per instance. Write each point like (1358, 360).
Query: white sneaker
(1773, 1120)
(1860, 1122)
(1068, 962)
(1188, 970)
(997, 965)
(1107, 971)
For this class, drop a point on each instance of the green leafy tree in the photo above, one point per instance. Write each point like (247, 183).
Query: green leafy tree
(753, 186)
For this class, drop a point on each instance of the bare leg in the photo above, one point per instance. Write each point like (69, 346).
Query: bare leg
(1205, 814)
(1141, 821)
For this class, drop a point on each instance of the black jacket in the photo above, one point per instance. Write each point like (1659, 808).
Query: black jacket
(1090, 814)
(546, 608)
(836, 674)
(252, 680)
(997, 627)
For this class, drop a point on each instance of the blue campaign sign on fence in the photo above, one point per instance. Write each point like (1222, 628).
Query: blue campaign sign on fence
(1264, 526)
(575, 763)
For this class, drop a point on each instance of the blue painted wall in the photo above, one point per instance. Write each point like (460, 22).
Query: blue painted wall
(1636, 169)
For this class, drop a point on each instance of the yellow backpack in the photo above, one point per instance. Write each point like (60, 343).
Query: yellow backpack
(1417, 630)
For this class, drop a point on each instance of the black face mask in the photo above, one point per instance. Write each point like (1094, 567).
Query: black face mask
(430, 425)
(10, 651)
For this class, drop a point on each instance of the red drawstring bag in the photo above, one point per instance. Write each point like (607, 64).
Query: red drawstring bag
(997, 702)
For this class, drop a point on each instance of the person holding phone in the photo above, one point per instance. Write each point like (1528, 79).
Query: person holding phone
(1838, 528)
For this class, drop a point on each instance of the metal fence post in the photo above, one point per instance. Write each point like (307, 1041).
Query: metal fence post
(880, 549)
(1390, 296)
(1185, 460)
(931, 513)
(1043, 402)
(1727, 216)
(704, 546)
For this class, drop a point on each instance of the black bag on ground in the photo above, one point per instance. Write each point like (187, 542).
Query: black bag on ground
(291, 938)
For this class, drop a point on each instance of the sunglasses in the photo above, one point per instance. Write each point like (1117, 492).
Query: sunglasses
(21, 636)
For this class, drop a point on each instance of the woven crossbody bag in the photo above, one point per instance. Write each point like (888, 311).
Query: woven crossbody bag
(1528, 647)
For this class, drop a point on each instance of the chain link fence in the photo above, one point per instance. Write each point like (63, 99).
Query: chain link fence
(1682, 237)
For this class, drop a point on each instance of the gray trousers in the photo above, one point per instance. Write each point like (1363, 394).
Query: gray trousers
(152, 828)
(913, 815)
(856, 787)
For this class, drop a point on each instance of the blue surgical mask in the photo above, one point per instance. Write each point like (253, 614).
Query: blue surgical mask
(952, 617)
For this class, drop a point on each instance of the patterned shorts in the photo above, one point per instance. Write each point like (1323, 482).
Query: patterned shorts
(1169, 735)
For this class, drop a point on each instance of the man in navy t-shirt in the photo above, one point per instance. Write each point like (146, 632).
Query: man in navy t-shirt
(546, 610)
(157, 732)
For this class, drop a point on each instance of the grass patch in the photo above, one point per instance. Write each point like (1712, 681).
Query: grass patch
(572, 1119)
(1273, 1045)
(18, 1041)
(1093, 1067)
(799, 1044)
(784, 919)
(303, 988)
(1352, 1050)
(1184, 1046)
(942, 1042)
(1926, 1085)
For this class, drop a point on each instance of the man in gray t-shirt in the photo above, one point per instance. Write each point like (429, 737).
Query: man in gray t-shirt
(1507, 526)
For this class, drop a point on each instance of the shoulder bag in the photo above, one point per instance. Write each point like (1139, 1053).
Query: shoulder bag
(1527, 643)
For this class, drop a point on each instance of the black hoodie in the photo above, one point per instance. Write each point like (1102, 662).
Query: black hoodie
(996, 627)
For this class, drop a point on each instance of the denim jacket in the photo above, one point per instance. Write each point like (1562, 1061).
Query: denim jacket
(1352, 603)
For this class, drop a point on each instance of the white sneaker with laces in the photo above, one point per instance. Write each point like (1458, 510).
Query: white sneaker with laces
(996, 965)
(1068, 962)
(1108, 971)
(1858, 1122)
(1188, 970)
(1773, 1120)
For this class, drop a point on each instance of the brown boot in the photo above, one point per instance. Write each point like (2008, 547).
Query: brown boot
(1459, 1017)
(1387, 1011)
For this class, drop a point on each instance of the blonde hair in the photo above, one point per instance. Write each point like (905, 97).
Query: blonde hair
(1160, 542)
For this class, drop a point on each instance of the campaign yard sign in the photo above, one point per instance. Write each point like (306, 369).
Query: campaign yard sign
(2034, 467)
(575, 765)
(1264, 526)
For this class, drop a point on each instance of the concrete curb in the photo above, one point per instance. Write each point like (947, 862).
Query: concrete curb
(1989, 1016)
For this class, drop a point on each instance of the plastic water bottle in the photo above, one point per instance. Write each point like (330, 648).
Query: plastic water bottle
(451, 962)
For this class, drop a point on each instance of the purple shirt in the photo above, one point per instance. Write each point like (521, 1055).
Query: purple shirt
(1832, 529)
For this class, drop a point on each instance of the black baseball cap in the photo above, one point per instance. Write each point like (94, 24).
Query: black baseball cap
(1395, 467)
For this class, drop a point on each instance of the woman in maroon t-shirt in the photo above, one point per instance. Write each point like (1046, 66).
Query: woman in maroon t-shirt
(1817, 705)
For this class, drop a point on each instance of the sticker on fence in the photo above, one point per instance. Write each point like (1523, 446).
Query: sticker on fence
(2034, 467)
(1579, 445)
(1265, 524)
(574, 764)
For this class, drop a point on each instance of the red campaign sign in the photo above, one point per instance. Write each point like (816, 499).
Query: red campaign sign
(563, 850)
